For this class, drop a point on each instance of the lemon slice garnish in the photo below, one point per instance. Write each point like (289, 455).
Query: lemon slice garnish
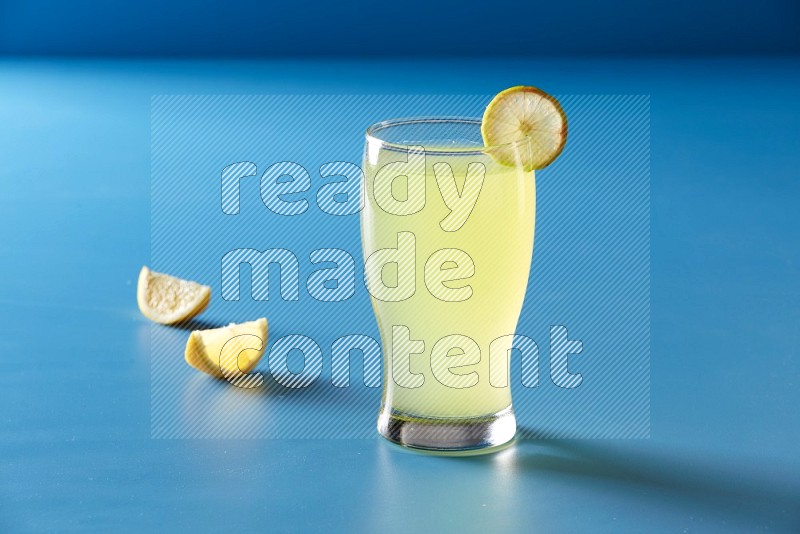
(228, 352)
(167, 300)
(524, 126)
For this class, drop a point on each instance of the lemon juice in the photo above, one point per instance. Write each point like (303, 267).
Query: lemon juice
(497, 236)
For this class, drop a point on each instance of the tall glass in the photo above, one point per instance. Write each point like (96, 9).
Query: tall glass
(447, 234)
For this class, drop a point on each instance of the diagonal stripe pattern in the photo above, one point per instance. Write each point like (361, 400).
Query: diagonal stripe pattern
(590, 271)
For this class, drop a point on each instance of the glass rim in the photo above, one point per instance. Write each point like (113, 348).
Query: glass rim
(438, 149)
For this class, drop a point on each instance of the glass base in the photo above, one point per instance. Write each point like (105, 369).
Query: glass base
(445, 435)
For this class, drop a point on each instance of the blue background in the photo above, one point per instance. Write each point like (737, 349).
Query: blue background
(75, 446)
(236, 28)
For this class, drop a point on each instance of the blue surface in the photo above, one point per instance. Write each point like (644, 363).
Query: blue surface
(75, 439)
(419, 28)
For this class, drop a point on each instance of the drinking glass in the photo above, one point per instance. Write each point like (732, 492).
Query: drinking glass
(447, 234)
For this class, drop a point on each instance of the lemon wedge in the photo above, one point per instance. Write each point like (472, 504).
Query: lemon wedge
(167, 300)
(228, 352)
(524, 126)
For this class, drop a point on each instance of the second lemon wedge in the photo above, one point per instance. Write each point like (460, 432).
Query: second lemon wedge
(228, 352)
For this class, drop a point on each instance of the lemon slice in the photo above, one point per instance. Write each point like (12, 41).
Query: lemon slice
(228, 352)
(167, 300)
(524, 126)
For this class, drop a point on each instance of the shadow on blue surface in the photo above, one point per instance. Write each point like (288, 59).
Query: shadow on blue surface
(199, 324)
(748, 495)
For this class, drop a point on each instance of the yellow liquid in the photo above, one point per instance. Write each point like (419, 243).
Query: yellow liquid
(498, 236)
